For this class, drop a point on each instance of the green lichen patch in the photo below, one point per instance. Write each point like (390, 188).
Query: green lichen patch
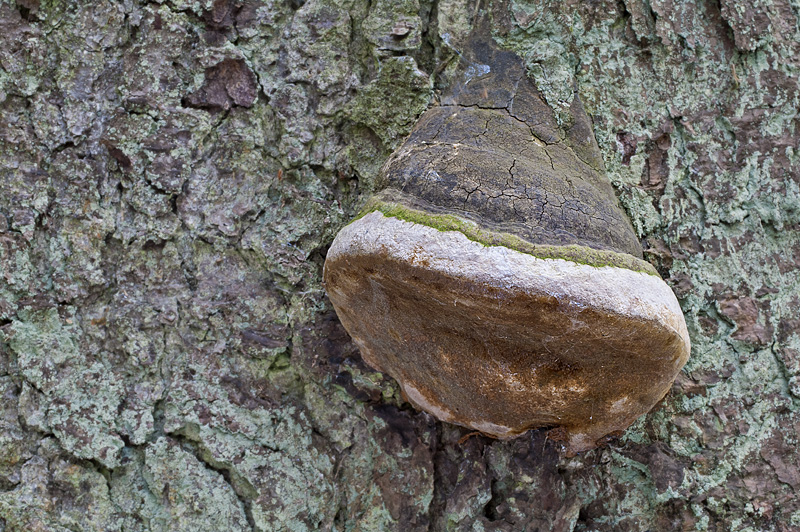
(269, 454)
(58, 494)
(164, 486)
(448, 222)
(82, 397)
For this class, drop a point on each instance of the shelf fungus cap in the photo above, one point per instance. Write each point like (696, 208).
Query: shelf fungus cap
(496, 277)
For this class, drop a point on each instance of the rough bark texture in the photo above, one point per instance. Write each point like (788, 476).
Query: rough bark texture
(172, 172)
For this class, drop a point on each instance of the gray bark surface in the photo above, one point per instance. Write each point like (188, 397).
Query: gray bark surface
(172, 173)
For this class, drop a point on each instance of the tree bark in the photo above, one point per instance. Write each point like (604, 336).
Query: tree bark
(172, 173)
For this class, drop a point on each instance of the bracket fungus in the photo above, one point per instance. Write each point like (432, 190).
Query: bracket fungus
(495, 275)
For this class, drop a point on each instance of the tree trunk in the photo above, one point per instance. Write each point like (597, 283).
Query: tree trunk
(173, 172)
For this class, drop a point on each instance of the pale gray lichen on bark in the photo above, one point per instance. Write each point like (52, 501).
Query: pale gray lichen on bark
(172, 172)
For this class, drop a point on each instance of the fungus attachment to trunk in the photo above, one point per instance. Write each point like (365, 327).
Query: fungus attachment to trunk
(495, 275)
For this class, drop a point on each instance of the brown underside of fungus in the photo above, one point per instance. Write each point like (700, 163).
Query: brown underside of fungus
(496, 277)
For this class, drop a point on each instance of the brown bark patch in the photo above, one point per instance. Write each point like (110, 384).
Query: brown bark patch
(228, 83)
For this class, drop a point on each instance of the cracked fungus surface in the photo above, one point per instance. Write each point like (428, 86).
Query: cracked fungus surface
(172, 172)
(492, 152)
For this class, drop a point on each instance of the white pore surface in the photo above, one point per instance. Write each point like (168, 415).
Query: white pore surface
(615, 290)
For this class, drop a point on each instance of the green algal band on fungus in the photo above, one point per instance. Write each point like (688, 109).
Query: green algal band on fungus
(447, 222)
